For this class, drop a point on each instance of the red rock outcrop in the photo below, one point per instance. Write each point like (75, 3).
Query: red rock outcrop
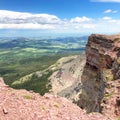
(101, 75)
(25, 105)
(102, 50)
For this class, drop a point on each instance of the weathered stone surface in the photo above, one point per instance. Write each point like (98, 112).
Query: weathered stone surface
(102, 50)
(111, 100)
(102, 70)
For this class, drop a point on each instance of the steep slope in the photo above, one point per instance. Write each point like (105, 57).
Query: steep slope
(65, 80)
(60, 78)
(24, 105)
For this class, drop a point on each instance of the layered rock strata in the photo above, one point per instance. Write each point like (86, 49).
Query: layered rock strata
(100, 78)
(102, 50)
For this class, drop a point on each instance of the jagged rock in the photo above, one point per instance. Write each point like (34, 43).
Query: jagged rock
(102, 67)
(112, 98)
(102, 50)
(5, 110)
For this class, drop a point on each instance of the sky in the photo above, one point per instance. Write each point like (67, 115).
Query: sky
(58, 17)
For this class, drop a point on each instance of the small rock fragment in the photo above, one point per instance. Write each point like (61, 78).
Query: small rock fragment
(5, 111)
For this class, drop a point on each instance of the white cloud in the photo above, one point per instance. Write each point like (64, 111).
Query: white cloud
(118, 1)
(51, 23)
(22, 20)
(11, 17)
(80, 19)
(89, 26)
(106, 18)
(110, 11)
(110, 20)
(25, 26)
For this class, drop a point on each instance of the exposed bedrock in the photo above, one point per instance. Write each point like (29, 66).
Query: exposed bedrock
(101, 71)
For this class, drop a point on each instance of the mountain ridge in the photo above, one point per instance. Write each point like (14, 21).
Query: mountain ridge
(95, 83)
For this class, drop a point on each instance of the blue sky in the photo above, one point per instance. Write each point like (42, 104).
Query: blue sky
(49, 17)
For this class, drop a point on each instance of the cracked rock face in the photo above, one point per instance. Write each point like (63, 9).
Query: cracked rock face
(111, 100)
(102, 50)
(101, 74)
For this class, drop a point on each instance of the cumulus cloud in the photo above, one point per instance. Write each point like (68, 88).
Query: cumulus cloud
(22, 20)
(82, 24)
(110, 11)
(21, 17)
(11, 19)
(80, 19)
(118, 1)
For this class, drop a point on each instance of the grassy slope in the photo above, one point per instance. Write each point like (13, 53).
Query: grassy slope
(14, 66)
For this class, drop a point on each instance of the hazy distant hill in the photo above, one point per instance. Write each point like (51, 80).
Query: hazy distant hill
(56, 44)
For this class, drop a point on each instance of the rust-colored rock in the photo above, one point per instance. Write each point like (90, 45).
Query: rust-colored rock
(112, 98)
(102, 50)
(101, 76)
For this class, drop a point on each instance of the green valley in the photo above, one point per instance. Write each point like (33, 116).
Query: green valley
(22, 56)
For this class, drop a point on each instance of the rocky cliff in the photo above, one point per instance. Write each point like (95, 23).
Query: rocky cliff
(101, 75)
(97, 87)
(102, 50)
(93, 84)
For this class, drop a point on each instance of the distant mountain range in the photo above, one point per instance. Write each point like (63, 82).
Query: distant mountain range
(58, 44)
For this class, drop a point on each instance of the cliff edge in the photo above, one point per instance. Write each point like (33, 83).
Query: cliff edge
(95, 88)
(101, 76)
